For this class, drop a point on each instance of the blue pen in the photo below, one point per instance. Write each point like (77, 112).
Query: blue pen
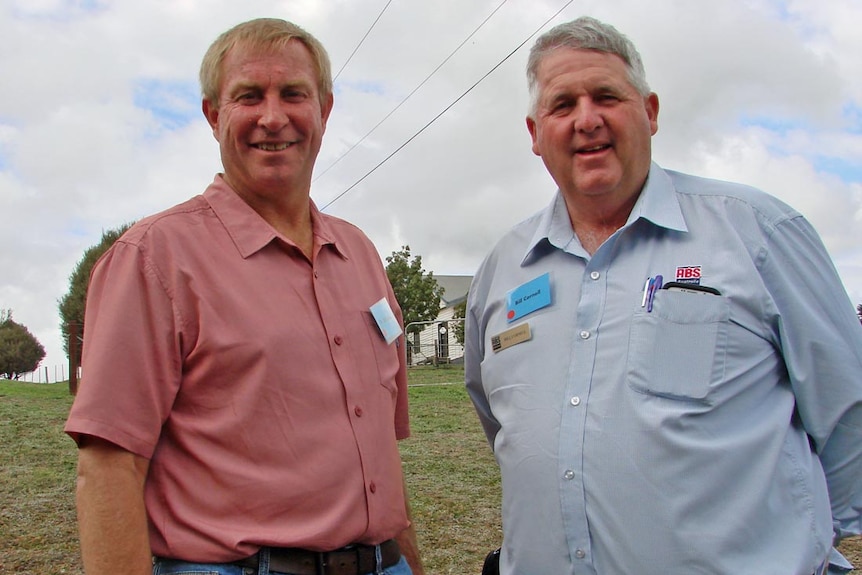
(655, 284)
(646, 291)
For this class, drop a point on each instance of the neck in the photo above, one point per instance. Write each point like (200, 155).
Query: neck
(595, 222)
(288, 212)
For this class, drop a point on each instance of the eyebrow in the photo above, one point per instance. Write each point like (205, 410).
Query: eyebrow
(243, 86)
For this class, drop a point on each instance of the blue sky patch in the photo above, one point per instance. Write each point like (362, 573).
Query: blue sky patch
(779, 124)
(853, 119)
(68, 10)
(847, 170)
(376, 88)
(174, 104)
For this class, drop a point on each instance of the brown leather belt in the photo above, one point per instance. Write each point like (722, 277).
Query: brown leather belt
(353, 560)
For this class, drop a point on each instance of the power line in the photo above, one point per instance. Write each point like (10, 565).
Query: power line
(446, 109)
(373, 24)
(416, 89)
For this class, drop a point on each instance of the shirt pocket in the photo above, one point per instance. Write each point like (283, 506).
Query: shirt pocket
(679, 348)
(386, 355)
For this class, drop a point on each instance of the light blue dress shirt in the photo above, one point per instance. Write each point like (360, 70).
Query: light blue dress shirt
(710, 434)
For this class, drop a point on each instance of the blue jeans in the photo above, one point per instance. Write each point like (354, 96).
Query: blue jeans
(170, 567)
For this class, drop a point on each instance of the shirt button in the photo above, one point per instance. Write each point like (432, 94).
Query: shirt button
(315, 273)
(595, 275)
(358, 411)
(580, 554)
(584, 335)
(569, 474)
(575, 401)
(338, 340)
(372, 487)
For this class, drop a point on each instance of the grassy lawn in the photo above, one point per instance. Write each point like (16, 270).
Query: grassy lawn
(452, 477)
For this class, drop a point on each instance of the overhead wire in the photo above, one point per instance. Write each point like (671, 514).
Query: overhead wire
(446, 109)
(373, 24)
(416, 89)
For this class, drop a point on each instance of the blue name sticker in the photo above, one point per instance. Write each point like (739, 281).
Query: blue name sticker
(386, 320)
(527, 298)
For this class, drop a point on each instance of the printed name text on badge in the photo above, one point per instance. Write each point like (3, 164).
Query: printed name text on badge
(527, 298)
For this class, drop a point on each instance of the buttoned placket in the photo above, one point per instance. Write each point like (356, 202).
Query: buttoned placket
(573, 420)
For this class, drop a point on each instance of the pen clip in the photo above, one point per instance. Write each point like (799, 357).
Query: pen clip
(653, 286)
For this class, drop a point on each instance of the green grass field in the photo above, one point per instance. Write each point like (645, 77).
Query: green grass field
(451, 475)
(453, 480)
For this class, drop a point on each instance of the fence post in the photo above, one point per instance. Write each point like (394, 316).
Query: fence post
(73, 355)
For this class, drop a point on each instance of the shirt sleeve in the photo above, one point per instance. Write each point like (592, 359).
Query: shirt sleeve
(474, 351)
(820, 339)
(131, 364)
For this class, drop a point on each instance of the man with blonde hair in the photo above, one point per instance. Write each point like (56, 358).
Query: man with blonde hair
(667, 367)
(244, 376)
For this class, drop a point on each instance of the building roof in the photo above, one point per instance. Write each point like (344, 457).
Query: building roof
(455, 289)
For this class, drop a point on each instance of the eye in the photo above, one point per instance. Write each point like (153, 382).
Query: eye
(607, 98)
(561, 106)
(248, 97)
(293, 94)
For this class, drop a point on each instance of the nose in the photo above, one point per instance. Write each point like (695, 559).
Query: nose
(273, 116)
(587, 116)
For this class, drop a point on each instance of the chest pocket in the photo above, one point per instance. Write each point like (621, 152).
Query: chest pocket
(678, 350)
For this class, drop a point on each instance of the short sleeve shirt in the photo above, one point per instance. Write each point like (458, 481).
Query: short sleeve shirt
(670, 430)
(257, 382)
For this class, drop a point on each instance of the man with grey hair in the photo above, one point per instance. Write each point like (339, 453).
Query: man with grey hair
(666, 367)
(244, 376)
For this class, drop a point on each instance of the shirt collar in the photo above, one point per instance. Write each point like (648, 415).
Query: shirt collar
(250, 232)
(657, 204)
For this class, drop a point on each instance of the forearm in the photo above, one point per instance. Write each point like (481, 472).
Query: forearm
(112, 519)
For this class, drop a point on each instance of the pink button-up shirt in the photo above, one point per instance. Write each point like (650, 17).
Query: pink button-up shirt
(257, 383)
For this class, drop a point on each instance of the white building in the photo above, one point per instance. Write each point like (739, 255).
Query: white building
(436, 343)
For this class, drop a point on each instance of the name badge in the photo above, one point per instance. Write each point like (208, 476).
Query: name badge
(525, 299)
(386, 320)
(510, 337)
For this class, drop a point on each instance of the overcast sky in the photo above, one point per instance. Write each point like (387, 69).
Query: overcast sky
(100, 120)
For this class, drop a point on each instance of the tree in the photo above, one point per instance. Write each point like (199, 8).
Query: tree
(859, 311)
(20, 351)
(460, 313)
(72, 304)
(417, 293)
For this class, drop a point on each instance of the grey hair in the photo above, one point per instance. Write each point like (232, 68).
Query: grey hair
(585, 33)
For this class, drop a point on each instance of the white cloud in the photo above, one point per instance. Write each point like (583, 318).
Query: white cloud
(767, 92)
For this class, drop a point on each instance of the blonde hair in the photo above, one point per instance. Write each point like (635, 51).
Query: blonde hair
(261, 34)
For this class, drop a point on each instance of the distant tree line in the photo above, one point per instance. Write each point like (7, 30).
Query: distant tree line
(20, 351)
(72, 304)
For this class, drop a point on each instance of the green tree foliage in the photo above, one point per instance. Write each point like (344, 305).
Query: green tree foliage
(417, 293)
(72, 304)
(458, 326)
(20, 351)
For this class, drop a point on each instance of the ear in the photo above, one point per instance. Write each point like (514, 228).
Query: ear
(651, 105)
(326, 109)
(211, 114)
(531, 127)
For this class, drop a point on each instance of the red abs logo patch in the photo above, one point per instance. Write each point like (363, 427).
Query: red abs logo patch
(688, 274)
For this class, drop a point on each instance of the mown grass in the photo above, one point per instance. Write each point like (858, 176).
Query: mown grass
(37, 474)
(453, 480)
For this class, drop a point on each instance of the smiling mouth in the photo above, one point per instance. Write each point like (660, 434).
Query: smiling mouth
(593, 149)
(273, 147)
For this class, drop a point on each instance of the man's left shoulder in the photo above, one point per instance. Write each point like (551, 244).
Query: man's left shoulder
(742, 195)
